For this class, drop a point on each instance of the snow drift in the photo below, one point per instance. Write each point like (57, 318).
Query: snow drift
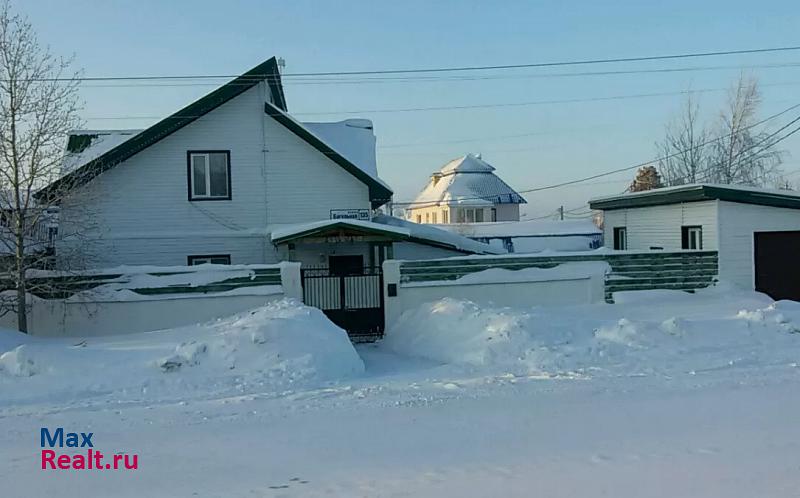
(658, 333)
(278, 346)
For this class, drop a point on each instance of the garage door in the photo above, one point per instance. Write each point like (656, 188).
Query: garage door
(777, 259)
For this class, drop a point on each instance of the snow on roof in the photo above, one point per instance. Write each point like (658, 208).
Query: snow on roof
(468, 180)
(401, 229)
(352, 138)
(86, 145)
(532, 228)
(430, 233)
(700, 192)
(290, 231)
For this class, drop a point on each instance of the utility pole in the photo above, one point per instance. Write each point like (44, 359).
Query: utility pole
(561, 213)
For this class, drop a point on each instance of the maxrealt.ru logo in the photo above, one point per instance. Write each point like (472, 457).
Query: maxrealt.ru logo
(88, 460)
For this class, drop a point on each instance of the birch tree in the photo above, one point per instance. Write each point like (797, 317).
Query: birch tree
(683, 149)
(39, 105)
(741, 154)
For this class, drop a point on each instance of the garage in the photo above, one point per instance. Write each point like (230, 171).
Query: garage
(777, 264)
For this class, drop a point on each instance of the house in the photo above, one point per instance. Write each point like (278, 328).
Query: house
(533, 235)
(233, 179)
(465, 190)
(756, 232)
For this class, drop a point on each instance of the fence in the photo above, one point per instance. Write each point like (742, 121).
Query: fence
(137, 299)
(411, 282)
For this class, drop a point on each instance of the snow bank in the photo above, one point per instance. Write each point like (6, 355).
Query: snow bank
(672, 332)
(276, 347)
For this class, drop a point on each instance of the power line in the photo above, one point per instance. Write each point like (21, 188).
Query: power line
(479, 106)
(620, 170)
(579, 62)
(301, 81)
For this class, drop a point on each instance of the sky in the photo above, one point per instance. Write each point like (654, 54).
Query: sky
(531, 140)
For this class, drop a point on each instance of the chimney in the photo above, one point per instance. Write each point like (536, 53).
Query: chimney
(435, 178)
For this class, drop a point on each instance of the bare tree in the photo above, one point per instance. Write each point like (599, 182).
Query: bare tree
(683, 150)
(39, 105)
(740, 154)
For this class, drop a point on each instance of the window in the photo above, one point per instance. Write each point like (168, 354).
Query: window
(479, 215)
(427, 217)
(460, 215)
(445, 216)
(494, 214)
(692, 237)
(215, 259)
(620, 238)
(209, 175)
(470, 215)
(434, 217)
(419, 218)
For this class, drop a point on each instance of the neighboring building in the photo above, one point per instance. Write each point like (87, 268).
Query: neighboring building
(465, 190)
(756, 232)
(215, 181)
(533, 236)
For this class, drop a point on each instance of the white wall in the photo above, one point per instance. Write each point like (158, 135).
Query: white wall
(660, 226)
(582, 283)
(59, 318)
(413, 250)
(506, 212)
(140, 212)
(737, 224)
(85, 315)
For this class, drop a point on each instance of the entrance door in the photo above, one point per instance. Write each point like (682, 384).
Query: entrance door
(349, 294)
(777, 264)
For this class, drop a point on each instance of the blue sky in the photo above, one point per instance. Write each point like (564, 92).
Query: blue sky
(530, 145)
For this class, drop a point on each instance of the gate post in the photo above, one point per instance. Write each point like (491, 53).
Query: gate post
(290, 280)
(391, 304)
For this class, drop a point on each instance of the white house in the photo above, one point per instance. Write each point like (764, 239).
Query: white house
(756, 232)
(213, 183)
(465, 190)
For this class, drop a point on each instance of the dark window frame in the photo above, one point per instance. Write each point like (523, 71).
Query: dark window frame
(624, 244)
(685, 239)
(190, 260)
(189, 175)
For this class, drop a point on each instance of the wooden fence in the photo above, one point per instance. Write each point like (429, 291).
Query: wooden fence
(630, 271)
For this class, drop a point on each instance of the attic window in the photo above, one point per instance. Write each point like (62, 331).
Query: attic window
(209, 173)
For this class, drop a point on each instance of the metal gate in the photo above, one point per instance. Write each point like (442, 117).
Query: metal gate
(352, 300)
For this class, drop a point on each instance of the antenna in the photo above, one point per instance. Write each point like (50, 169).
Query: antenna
(281, 63)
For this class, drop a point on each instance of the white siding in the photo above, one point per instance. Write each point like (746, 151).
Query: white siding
(507, 212)
(660, 226)
(140, 212)
(302, 183)
(737, 224)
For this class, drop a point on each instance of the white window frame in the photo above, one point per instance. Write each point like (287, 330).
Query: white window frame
(697, 231)
(207, 155)
(207, 259)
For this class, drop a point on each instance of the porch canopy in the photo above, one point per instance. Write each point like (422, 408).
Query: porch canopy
(344, 230)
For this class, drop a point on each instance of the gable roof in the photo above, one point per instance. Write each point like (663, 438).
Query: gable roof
(699, 192)
(468, 180)
(379, 192)
(80, 175)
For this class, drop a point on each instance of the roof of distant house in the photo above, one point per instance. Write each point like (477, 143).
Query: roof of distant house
(531, 228)
(468, 180)
(699, 192)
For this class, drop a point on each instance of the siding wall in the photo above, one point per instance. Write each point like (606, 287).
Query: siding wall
(139, 212)
(737, 224)
(660, 226)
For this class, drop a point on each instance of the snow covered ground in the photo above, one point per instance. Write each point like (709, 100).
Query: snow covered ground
(662, 394)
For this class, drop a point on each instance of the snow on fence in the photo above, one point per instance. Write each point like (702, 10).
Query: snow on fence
(136, 299)
(556, 278)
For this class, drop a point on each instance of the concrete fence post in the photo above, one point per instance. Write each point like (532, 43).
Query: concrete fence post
(291, 280)
(392, 306)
